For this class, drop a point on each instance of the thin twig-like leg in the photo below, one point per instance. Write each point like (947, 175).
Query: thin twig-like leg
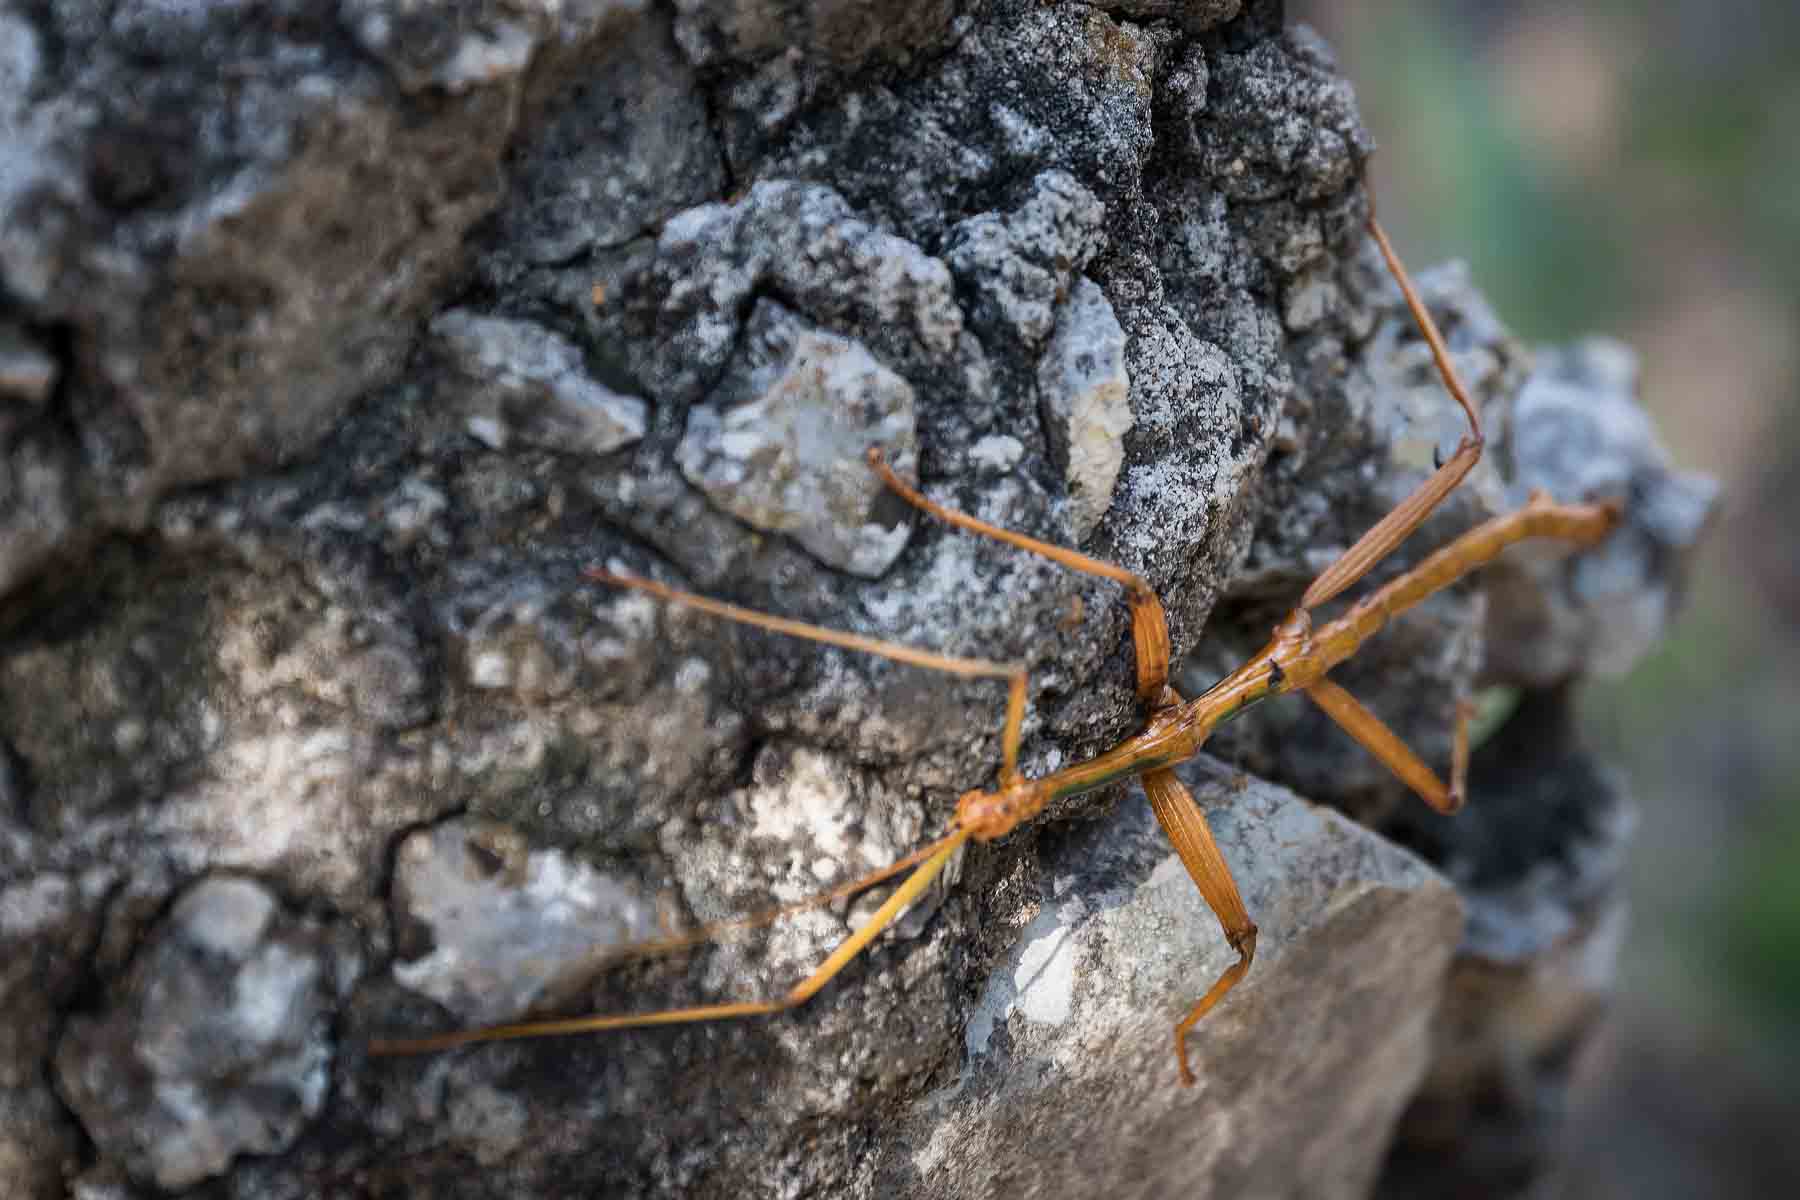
(1386, 745)
(1578, 524)
(1149, 628)
(1411, 512)
(927, 862)
(1186, 826)
(896, 904)
(975, 668)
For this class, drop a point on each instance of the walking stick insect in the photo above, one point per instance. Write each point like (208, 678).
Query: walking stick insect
(1298, 657)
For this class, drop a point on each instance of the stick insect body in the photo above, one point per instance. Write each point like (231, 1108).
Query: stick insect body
(1298, 657)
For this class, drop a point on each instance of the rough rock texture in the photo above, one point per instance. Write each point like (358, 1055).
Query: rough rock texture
(490, 928)
(523, 380)
(217, 1045)
(1071, 1033)
(224, 226)
(1564, 421)
(336, 341)
(1538, 865)
(1086, 396)
(783, 446)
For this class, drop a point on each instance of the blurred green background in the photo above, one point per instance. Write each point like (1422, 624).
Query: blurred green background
(1634, 169)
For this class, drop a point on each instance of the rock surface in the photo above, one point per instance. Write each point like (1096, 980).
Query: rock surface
(217, 1045)
(1301, 1074)
(334, 343)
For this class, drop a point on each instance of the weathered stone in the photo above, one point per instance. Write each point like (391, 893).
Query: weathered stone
(505, 928)
(38, 1140)
(42, 920)
(1539, 863)
(350, 612)
(217, 1047)
(1302, 1071)
(1019, 265)
(610, 148)
(210, 204)
(27, 373)
(972, 121)
(783, 445)
(1280, 124)
(804, 244)
(1085, 394)
(841, 33)
(530, 383)
(1579, 433)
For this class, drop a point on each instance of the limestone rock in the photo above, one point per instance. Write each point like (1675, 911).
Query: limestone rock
(530, 381)
(504, 929)
(1581, 434)
(341, 339)
(1085, 394)
(1302, 1070)
(782, 445)
(217, 1048)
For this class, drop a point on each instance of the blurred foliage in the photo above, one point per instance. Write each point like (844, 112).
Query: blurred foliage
(1468, 183)
(1761, 918)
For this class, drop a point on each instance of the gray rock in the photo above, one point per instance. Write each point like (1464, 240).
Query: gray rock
(1581, 434)
(782, 447)
(27, 374)
(1019, 265)
(38, 1138)
(212, 206)
(843, 34)
(218, 1045)
(40, 919)
(804, 244)
(998, 452)
(434, 44)
(1302, 1071)
(804, 803)
(1084, 393)
(13, 795)
(529, 381)
(1538, 861)
(1281, 114)
(1195, 16)
(348, 612)
(976, 122)
(507, 928)
(610, 148)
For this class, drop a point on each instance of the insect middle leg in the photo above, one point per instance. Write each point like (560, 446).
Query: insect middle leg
(1149, 628)
(1579, 525)
(1376, 544)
